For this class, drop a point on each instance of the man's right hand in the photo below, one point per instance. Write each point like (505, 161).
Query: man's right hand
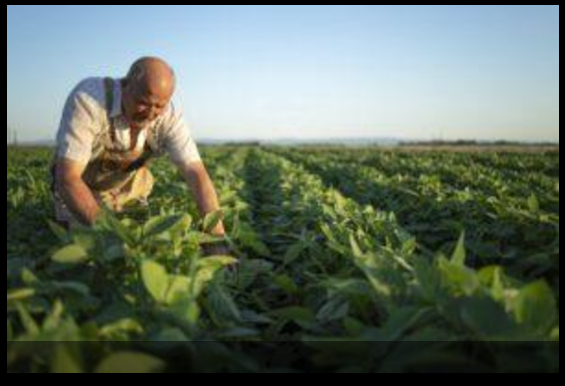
(77, 195)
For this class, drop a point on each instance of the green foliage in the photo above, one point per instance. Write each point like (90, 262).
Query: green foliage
(367, 260)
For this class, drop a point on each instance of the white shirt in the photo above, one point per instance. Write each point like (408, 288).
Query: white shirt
(85, 120)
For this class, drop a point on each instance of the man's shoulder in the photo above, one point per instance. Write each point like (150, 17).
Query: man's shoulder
(90, 89)
(85, 106)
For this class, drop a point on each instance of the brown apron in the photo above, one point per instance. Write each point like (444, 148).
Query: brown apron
(116, 177)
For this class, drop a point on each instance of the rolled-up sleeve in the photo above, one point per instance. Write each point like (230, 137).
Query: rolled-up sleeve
(179, 143)
(79, 124)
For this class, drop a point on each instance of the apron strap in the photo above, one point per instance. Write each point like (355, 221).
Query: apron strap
(110, 100)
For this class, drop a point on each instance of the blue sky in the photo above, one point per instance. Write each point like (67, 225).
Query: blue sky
(304, 71)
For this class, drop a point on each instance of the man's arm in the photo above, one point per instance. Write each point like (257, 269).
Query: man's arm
(77, 195)
(203, 190)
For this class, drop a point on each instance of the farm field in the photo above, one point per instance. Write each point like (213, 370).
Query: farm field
(348, 260)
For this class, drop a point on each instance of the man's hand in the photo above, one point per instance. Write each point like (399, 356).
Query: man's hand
(203, 190)
(77, 195)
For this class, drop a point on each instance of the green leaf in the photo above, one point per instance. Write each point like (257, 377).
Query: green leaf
(130, 363)
(170, 335)
(108, 221)
(533, 204)
(29, 278)
(222, 307)
(285, 283)
(207, 269)
(179, 288)
(205, 238)
(355, 248)
(536, 308)
(336, 308)
(55, 317)
(65, 360)
(114, 252)
(555, 334)
(294, 252)
(300, 315)
(216, 262)
(458, 278)
(29, 324)
(156, 279)
(247, 237)
(162, 224)
(460, 254)
(259, 247)
(212, 220)
(59, 231)
(72, 254)
(487, 319)
(18, 295)
(120, 327)
(187, 309)
(409, 246)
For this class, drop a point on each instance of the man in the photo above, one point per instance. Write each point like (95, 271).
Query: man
(110, 130)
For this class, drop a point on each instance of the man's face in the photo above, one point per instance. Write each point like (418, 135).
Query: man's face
(143, 105)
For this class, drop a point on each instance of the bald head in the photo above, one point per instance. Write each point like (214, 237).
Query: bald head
(148, 89)
(152, 75)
